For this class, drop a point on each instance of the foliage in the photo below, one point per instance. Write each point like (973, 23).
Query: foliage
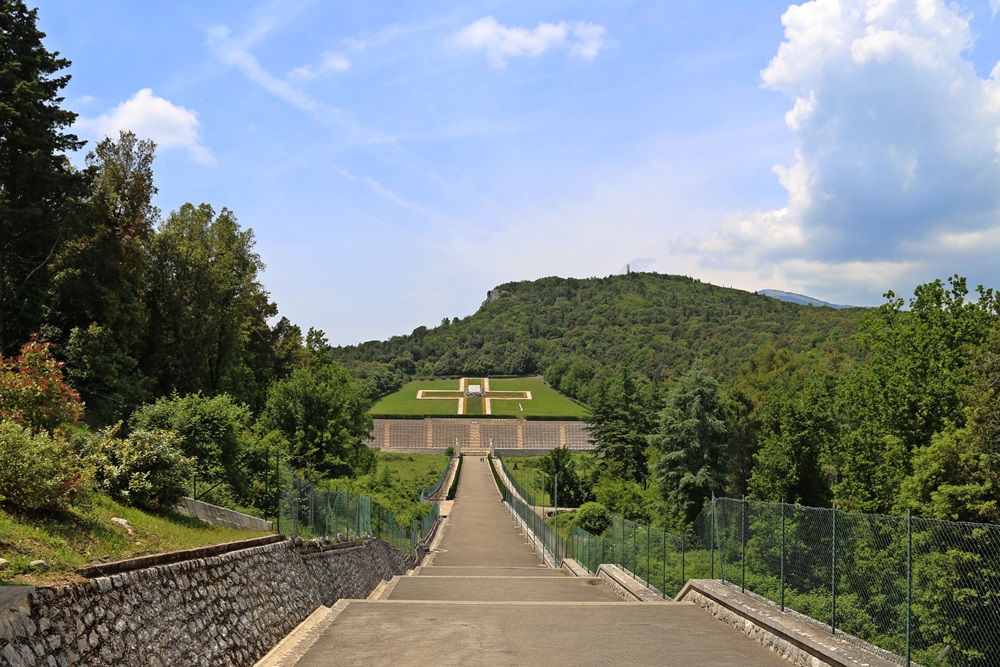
(593, 518)
(39, 189)
(214, 432)
(797, 433)
(690, 443)
(618, 426)
(39, 471)
(100, 278)
(580, 333)
(34, 393)
(146, 469)
(561, 481)
(322, 416)
(910, 387)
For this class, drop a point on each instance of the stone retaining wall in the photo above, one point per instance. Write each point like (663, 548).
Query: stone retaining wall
(223, 610)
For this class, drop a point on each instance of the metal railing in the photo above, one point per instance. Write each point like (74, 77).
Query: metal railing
(431, 490)
(309, 512)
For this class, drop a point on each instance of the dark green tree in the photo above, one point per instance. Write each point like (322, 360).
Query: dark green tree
(205, 301)
(214, 432)
(691, 444)
(559, 469)
(39, 188)
(99, 286)
(618, 425)
(797, 434)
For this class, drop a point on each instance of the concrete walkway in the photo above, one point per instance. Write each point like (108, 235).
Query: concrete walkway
(486, 599)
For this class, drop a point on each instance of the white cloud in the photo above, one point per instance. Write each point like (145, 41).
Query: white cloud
(331, 62)
(151, 117)
(233, 52)
(581, 39)
(897, 170)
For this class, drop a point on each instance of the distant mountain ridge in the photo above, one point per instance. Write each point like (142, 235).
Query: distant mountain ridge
(801, 299)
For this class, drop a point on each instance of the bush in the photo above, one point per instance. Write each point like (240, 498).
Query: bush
(146, 470)
(39, 471)
(34, 393)
(593, 518)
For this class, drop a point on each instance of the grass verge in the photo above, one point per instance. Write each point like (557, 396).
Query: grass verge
(87, 535)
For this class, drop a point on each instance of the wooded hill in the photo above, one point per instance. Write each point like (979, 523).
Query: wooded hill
(574, 331)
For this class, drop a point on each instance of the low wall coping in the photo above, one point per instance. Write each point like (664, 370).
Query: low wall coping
(626, 585)
(170, 557)
(820, 644)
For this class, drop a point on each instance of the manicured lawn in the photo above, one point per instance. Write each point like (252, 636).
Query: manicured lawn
(545, 402)
(404, 401)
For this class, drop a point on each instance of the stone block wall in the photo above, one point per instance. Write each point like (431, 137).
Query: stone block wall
(227, 610)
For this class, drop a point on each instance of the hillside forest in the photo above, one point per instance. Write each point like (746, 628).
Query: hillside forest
(114, 380)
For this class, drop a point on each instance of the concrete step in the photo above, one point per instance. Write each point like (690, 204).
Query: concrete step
(392, 633)
(486, 571)
(506, 589)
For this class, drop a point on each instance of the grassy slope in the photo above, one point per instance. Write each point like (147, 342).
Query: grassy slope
(87, 535)
(416, 471)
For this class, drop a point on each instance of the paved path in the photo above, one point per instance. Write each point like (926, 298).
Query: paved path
(486, 599)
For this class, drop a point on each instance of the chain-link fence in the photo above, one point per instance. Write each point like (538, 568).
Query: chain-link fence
(923, 589)
(920, 590)
(431, 491)
(309, 512)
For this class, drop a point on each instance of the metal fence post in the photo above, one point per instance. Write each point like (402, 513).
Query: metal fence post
(711, 533)
(683, 579)
(782, 556)
(909, 580)
(663, 578)
(277, 490)
(833, 574)
(743, 540)
(649, 572)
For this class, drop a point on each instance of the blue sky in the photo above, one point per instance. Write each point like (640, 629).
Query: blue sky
(398, 159)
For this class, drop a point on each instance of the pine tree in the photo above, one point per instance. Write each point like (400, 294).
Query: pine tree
(37, 183)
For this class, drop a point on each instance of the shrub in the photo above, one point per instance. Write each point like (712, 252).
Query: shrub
(146, 469)
(33, 391)
(593, 518)
(39, 471)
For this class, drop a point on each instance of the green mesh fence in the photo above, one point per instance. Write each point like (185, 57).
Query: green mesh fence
(923, 589)
(308, 512)
(915, 590)
(431, 490)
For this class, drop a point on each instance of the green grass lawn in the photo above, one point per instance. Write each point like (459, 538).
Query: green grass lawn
(546, 401)
(87, 535)
(404, 401)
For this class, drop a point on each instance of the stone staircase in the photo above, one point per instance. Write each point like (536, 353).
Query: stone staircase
(483, 597)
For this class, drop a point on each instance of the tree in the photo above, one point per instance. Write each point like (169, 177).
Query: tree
(205, 299)
(691, 442)
(99, 275)
(321, 415)
(797, 432)
(618, 427)
(911, 388)
(38, 186)
(214, 432)
(559, 470)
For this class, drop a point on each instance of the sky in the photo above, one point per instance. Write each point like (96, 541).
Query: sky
(396, 160)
